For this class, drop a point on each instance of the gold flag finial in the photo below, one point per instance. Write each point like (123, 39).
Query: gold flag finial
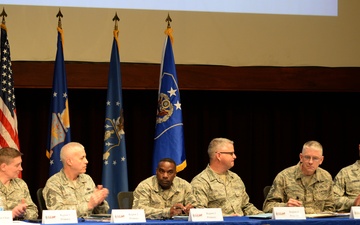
(59, 28)
(59, 15)
(116, 19)
(169, 30)
(116, 30)
(3, 14)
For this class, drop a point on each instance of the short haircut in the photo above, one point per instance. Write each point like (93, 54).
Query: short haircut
(313, 144)
(65, 149)
(170, 160)
(215, 144)
(8, 153)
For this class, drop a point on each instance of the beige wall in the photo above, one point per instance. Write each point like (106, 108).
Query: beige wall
(200, 38)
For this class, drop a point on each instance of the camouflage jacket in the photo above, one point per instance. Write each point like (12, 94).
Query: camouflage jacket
(62, 194)
(316, 197)
(13, 194)
(211, 192)
(156, 202)
(347, 186)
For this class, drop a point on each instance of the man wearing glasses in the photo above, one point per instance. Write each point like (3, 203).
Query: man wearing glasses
(305, 184)
(218, 187)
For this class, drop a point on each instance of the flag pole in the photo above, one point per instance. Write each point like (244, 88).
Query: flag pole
(59, 119)
(116, 19)
(59, 28)
(3, 14)
(169, 30)
(114, 174)
(169, 133)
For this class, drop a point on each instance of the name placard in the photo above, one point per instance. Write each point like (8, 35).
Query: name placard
(288, 213)
(6, 217)
(355, 212)
(206, 214)
(127, 216)
(59, 216)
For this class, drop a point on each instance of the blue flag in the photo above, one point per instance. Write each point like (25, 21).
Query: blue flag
(114, 174)
(59, 120)
(169, 134)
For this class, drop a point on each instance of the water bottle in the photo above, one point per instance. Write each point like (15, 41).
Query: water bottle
(2, 204)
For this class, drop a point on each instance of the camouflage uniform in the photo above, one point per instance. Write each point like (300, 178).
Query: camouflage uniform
(13, 194)
(62, 194)
(157, 202)
(347, 186)
(211, 192)
(316, 197)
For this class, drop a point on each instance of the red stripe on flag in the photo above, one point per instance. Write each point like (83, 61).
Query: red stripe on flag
(8, 128)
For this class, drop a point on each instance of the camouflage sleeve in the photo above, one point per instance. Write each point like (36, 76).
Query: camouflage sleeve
(189, 196)
(61, 197)
(239, 190)
(342, 202)
(102, 208)
(200, 190)
(249, 208)
(275, 197)
(329, 201)
(142, 200)
(31, 209)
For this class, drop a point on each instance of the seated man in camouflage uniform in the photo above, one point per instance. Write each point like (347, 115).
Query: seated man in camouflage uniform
(218, 187)
(14, 192)
(347, 187)
(304, 184)
(71, 188)
(164, 195)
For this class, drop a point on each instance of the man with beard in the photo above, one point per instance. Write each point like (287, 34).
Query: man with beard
(305, 184)
(218, 187)
(71, 188)
(164, 195)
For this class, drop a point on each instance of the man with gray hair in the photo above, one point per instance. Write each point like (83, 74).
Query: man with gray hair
(218, 187)
(305, 184)
(71, 188)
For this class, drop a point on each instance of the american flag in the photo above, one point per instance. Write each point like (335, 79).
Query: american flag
(8, 120)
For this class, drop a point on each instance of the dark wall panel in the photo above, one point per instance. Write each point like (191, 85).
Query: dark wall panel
(268, 127)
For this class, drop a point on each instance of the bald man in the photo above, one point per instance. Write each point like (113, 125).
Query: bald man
(71, 188)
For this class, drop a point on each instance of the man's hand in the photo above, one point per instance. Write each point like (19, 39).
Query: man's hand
(20, 209)
(357, 200)
(98, 196)
(177, 209)
(293, 203)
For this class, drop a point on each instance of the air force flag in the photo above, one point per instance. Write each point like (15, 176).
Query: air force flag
(169, 133)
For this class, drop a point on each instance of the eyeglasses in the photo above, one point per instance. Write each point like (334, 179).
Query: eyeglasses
(229, 153)
(314, 158)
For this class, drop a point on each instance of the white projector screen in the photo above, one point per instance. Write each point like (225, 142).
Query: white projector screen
(292, 7)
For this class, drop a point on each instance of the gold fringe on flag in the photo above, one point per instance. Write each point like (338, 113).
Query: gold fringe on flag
(60, 30)
(116, 36)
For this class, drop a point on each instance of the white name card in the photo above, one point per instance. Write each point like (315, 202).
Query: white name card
(127, 216)
(288, 213)
(6, 217)
(59, 216)
(355, 212)
(205, 214)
